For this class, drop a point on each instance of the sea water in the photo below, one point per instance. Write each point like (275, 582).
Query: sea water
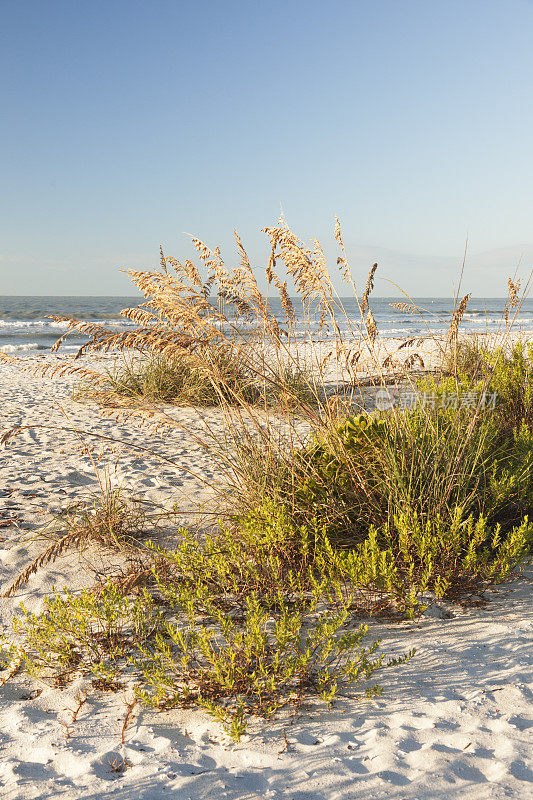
(26, 329)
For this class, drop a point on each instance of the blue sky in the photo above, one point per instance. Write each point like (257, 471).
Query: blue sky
(127, 124)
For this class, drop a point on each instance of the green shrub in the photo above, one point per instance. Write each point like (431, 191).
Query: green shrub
(404, 561)
(242, 624)
(510, 485)
(511, 379)
(362, 471)
(502, 409)
(398, 565)
(430, 501)
(92, 632)
(256, 664)
(506, 372)
(268, 555)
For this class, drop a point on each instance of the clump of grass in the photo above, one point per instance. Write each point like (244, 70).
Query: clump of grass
(196, 378)
(110, 520)
(213, 338)
(413, 504)
(467, 358)
(294, 387)
(361, 470)
(504, 371)
(202, 378)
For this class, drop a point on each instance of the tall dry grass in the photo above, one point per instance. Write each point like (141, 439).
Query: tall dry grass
(206, 334)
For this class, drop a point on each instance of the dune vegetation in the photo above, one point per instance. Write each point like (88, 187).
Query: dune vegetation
(329, 506)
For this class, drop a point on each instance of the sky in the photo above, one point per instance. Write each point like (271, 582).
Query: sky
(127, 124)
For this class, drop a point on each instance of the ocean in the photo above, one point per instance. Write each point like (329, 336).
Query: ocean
(25, 329)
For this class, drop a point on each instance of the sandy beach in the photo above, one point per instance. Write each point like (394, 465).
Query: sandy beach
(456, 721)
(266, 401)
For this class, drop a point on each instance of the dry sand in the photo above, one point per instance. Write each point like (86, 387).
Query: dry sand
(455, 722)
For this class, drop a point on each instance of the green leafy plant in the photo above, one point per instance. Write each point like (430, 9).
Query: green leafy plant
(239, 624)
(89, 632)
(256, 664)
(408, 562)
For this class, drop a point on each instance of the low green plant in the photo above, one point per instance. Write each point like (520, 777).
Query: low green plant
(324, 479)
(428, 460)
(92, 632)
(401, 566)
(497, 414)
(256, 664)
(250, 620)
(408, 562)
(241, 624)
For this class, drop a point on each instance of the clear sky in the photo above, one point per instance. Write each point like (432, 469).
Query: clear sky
(126, 123)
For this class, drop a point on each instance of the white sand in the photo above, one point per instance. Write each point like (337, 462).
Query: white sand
(456, 721)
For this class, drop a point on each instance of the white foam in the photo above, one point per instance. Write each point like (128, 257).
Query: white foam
(51, 324)
(21, 348)
(32, 323)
